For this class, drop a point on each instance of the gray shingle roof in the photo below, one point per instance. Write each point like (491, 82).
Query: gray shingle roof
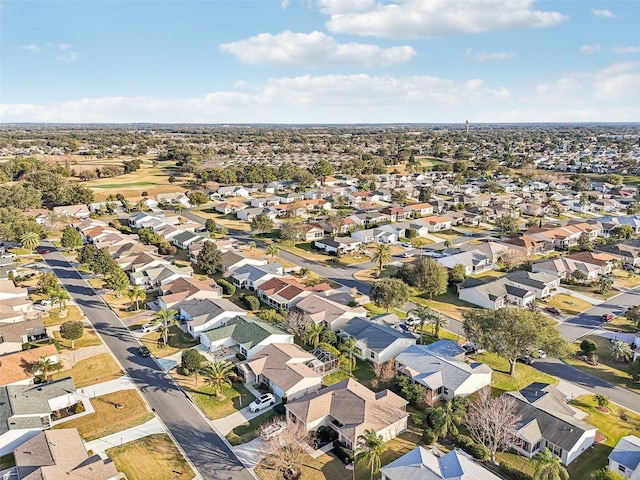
(375, 337)
(33, 399)
(627, 452)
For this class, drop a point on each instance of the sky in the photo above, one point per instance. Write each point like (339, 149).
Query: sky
(319, 61)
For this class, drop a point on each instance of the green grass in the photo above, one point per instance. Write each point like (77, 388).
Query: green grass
(235, 398)
(503, 382)
(611, 425)
(375, 310)
(155, 456)
(177, 340)
(447, 304)
(335, 377)
(249, 430)
(517, 462)
(88, 339)
(7, 461)
(606, 369)
(73, 314)
(126, 185)
(568, 304)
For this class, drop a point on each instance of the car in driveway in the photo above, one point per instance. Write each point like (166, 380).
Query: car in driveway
(150, 327)
(406, 244)
(262, 402)
(407, 255)
(144, 351)
(43, 251)
(607, 317)
(553, 310)
(526, 359)
(629, 267)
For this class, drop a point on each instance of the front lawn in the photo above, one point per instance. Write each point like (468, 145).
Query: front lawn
(625, 279)
(177, 340)
(235, 398)
(504, 382)
(96, 283)
(593, 291)
(154, 456)
(89, 339)
(92, 370)
(249, 430)
(621, 324)
(568, 305)
(108, 419)
(613, 372)
(373, 309)
(53, 319)
(447, 304)
(611, 425)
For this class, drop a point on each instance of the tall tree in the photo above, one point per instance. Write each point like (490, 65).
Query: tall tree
(286, 451)
(72, 331)
(42, 367)
(389, 292)
(165, 318)
(369, 448)
(431, 278)
(621, 351)
(197, 198)
(426, 315)
(584, 242)
(29, 241)
(117, 281)
(382, 256)
(314, 330)
(219, 374)
(262, 223)
(492, 420)
(209, 258)
(71, 238)
(549, 467)
(348, 345)
(513, 332)
(297, 322)
(138, 294)
(210, 225)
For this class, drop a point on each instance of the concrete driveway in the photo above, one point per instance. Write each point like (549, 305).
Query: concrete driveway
(251, 453)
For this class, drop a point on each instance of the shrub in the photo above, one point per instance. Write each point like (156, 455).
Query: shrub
(240, 356)
(279, 409)
(411, 233)
(228, 288)
(252, 302)
(429, 437)
(269, 315)
(513, 473)
(474, 449)
(328, 336)
(191, 359)
(416, 419)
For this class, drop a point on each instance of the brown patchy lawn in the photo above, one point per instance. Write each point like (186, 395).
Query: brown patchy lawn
(154, 457)
(177, 340)
(108, 419)
(89, 339)
(73, 314)
(92, 370)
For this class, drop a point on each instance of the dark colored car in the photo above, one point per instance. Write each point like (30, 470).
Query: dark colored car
(554, 310)
(527, 360)
(607, 317)
(144, 351)
(43, 251)
(628, 267)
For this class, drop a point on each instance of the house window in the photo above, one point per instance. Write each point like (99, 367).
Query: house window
(622, 468)
(555, 450)
(372, 355)
(445, 390)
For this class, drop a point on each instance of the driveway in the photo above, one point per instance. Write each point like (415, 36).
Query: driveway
(251, 453)
(228, 423)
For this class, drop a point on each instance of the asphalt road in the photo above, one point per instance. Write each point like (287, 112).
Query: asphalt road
(580, 325)
(205, 449)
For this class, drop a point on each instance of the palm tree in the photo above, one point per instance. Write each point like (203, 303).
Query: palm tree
(425, 315)
(370, 446)
(141, 206)
(60, 296)
(178, 208)
(218, 374)
(314, 330)
(42, 367)
(29, 241)
(252, 245)
(166, 318)
(382, 256)
(348, 345)
(138, 294)
(273, 250)
(549, 467)
(438, 321)
(621, 351)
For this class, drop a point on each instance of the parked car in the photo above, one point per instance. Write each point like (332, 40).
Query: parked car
(526, 359)
(542, 353)
(412, 321)
(150, 327)
(470, 348)
(144, 351)
(406, 244)
(8, 255)
(43, 251)
(553, 310)
(628, 267)
(607, 317)
(407, 255)
(262, 402)
(46, 302)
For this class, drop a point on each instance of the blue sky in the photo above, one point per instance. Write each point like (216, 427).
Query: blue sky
(319, 61)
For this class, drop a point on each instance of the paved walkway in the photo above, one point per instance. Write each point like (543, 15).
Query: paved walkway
(71, 357)
(251, 453)
(623, 337)
(101, 445)
(104, 388)
(582, 296)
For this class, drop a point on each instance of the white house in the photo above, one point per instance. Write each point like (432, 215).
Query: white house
(625, 457)
(374, 342)
(473, 261)
(202, 314)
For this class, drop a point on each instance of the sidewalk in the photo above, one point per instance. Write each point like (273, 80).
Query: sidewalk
(104, 388)
(101, 445)
(582, 296)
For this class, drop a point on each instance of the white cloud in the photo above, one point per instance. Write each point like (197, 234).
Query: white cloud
(31, 48)
(590, 49)
(68, 57)
(626, 49)
(435, 18)
(315, 49)
(63, 46)
(603, 13)
(617, 81)
(485, 56)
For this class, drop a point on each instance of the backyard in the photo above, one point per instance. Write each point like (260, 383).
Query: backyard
(154, 457)
(114, 413)
(92, 370)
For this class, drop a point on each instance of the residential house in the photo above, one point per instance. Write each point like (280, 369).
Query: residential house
(518, 288)
(231, 191)
(76, 211)
(202, 314)
(592, 265)
(185, 288)
(442, 369)
(9, 290)
(287, 292)
(548, 422)
(329, 313)
(338, 245)
(290, 197)
(26, 410)
(287, 370)
(149, 220)
(396, 214)
(18, 328)
(433, 464)
(375, 342)
(529, 245)
(160, 275)
(419, 209)
(227, 208)
(438, 224)
(533, 209)
(244, 335)
(184, 239)
(625, 457)
(313, 231)
(248, 214)
(61, 454)
(223, 245)
(232, 260)
(176, 198)
(627, 251)
(250, 277)
(494, 251)
(378, 235)
(473, 261)
(349, 408)
(16, 367)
